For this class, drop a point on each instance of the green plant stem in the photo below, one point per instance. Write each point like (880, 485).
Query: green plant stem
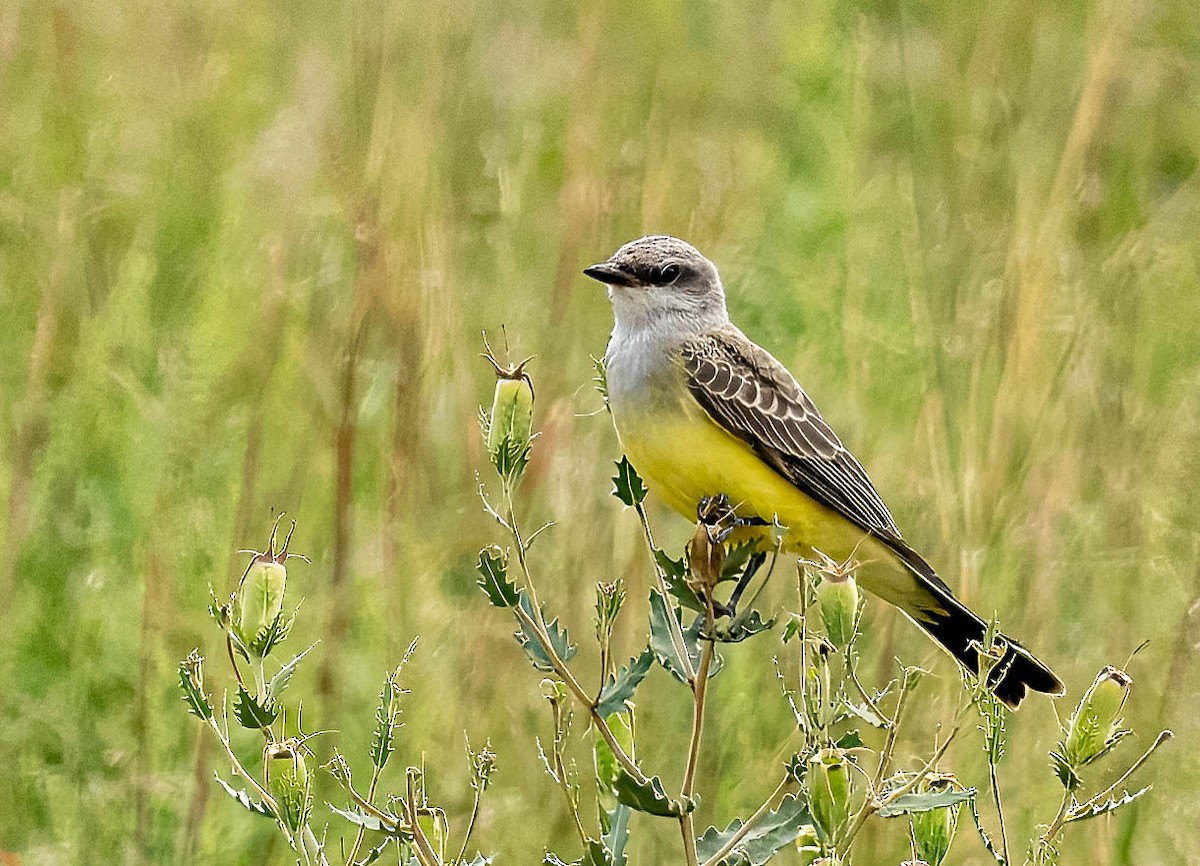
(862, 692)
(425, 853)
(673, 625)
(871, 805)
(584, 699)
(746, 827)
(699, 689)
(994, 783)
(560, 772)
(309, 846)
(462, 852)
(362, 831)
(889, 744)
(1067, 814)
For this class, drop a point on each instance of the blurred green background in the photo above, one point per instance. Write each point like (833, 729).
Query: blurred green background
(246, 252)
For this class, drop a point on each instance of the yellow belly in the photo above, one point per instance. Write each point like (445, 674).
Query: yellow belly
(685, 456)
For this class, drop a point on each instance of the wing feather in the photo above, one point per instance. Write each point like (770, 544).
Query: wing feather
(753, 396)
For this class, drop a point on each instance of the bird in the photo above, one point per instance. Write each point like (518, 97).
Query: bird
(701, 410)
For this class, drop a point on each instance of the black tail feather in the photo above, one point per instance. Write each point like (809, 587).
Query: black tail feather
(961, 632)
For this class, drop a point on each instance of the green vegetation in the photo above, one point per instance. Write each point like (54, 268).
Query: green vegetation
(245, 255)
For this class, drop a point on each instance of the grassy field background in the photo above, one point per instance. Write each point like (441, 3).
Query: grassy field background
(246, 252)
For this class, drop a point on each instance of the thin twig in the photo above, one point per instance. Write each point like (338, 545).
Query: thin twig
(362, 830)
(872, 805)
(742, 831)
(673, 625)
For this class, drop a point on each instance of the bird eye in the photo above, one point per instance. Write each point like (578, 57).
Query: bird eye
(671, 273)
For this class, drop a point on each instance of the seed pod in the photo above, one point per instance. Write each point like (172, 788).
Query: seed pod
(1096, 722)
(291, 783)
(260, 597)
(837, 595)
(829, 792)
(933, 830)
(510, 423)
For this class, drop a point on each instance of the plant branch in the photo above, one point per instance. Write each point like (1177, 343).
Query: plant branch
(673, 624)
(742, 831)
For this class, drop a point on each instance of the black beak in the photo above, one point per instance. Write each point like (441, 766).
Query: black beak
(606, 272)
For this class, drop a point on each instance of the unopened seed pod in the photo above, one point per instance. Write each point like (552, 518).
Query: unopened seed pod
(933, 829)
(291, 783)
(829, 786)
(510, 424)
(260, 598)
(1097, 718)
(837, 596)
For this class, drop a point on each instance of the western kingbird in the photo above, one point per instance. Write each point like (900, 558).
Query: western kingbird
(700, 410)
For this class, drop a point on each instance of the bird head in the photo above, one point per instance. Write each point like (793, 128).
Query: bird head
(659, 279)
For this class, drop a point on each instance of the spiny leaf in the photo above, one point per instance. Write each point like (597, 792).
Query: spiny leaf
(392, 826)
(533, 646)
(280, 681)
(620, 688)
(770, 834)
(258, 807)
(617, 837)
(493, 577)
(252, 714)
(650, 797)
(627, 484)
(914, 802)
(664, 648)
(736, 559)
(386, 716)
(849, 740)
(868, 715)
(743, 626)
(675, 571)
(270, 636)
(1111, 805)
(191, 681)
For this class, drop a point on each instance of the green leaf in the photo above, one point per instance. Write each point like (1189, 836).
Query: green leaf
(862, 711)
(914, 802)
(533, 646)
(1065, 772)
(983, 836)
(663, 647)
(627, 484)
(617, 837)
(771, 833)
(393, 826)
(675, 571)
(650, 798)
(620, 688)
(280, 681)
(1110, 805)
(743, 626)
(493, 577)
(386, 715)
(374, 854)
(252, 714)
(191, 681)
(258, 807)
(270, 636)
(849, 740)
(736, 559)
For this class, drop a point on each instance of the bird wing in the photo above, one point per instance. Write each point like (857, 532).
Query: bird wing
(749, 393)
